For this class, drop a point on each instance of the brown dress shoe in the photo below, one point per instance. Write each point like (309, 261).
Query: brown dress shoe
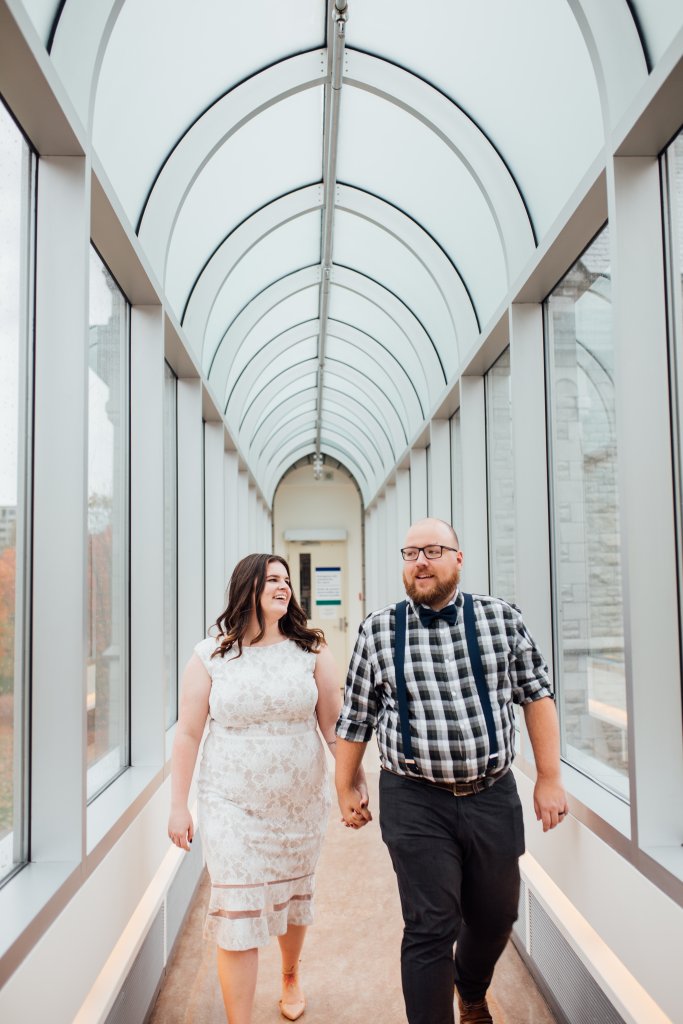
(474, 1013)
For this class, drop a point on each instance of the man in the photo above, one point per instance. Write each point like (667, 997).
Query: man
(449, 811)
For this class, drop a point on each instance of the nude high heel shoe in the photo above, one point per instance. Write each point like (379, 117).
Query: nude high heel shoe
(294, 1010)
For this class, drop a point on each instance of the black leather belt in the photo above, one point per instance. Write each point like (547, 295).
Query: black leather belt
(459, 787)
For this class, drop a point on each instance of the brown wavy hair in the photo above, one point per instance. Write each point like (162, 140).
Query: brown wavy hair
(247, 583)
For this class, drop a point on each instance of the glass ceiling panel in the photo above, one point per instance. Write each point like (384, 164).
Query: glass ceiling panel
(282, 413)
(42, 14)
(296, 434)
(660, 21)
(298, 379)
(276, 152)
(375, 363)
(181, 59)
(620, 52)
(75, 48)
(241, 383)
(363, 246)
(354, 441)
(490, 58)
(239, 345)
(335, 440)
(299, 431)
(342, 379)
(419, 243)
(266, 368)
(361, 430)
(418, 358)
(365, 416)
(222, 349)
(294, 245)
(361, 345)
(237, 245)
(301, 423)
(387, 151)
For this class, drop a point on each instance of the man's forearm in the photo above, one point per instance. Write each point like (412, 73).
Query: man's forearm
(347, 762)
(541, 721)
(550, 799)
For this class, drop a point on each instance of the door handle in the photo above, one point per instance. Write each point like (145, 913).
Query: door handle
(343, 624)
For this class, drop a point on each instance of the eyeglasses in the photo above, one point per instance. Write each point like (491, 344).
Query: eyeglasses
(432, 551)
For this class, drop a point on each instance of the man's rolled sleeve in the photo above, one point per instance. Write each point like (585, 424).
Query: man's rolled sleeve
(529, 671)
(358, 715)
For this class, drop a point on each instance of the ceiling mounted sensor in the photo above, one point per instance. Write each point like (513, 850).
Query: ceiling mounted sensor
(317, 462)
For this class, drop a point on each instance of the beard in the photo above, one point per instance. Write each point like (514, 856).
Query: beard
(439, 591)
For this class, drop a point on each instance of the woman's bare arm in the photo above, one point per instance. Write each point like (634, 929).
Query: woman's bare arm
(194, 707)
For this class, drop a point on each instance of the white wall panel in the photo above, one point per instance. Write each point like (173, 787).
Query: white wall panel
(475, 573)
(146, 539)
(191, 624)
(59, 515)
(440, 470)
(418, 484)
(647, 505)
(214, 519)
(532, 542)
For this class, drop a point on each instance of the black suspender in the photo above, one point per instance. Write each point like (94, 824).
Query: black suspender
(399, 661)
(477, 669)
(479, 677)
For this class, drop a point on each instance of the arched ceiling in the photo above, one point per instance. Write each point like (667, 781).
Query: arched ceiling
(337, 196)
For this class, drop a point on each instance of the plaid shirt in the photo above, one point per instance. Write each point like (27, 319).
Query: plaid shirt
(447, 725)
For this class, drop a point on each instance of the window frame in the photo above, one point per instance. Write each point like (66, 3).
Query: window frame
(172, 661)
(674, 327)
(125, 507)
(490, 501)
(21, 758)
(613, 806)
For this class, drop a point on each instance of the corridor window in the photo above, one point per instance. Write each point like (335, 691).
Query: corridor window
(585, 516)
(17, 191)
(457, 500)
(500, 478)
(171, 543)
(672, 170)
(107, 655)
(675, 169)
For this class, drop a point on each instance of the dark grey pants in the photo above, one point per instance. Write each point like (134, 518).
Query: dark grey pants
(456, 861)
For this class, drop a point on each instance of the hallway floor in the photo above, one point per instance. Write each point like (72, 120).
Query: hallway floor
(353, 949)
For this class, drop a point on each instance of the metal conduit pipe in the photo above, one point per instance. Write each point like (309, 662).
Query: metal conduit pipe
(330, 146)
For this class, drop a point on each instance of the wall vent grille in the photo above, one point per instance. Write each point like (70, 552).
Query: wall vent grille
(520, 923)
(573, 987)
(181, 891)
(139, 989)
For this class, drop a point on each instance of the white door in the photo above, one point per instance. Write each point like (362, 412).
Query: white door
(319, 579)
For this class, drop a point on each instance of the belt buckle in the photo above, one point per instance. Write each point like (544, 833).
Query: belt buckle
(462, 788)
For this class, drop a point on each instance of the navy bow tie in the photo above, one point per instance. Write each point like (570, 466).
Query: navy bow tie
(428, 616)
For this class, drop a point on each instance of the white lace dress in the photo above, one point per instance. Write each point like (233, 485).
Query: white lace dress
(263, 792)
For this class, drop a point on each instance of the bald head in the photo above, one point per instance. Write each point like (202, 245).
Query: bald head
(439, 531)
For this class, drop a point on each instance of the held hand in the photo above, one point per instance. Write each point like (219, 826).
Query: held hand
(550, 802)
(181, 828)
(362, 787)
(353, 804)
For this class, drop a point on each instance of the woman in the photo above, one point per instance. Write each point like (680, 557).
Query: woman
(266, 681)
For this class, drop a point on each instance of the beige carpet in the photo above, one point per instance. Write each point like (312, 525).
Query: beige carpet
(353, 949)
